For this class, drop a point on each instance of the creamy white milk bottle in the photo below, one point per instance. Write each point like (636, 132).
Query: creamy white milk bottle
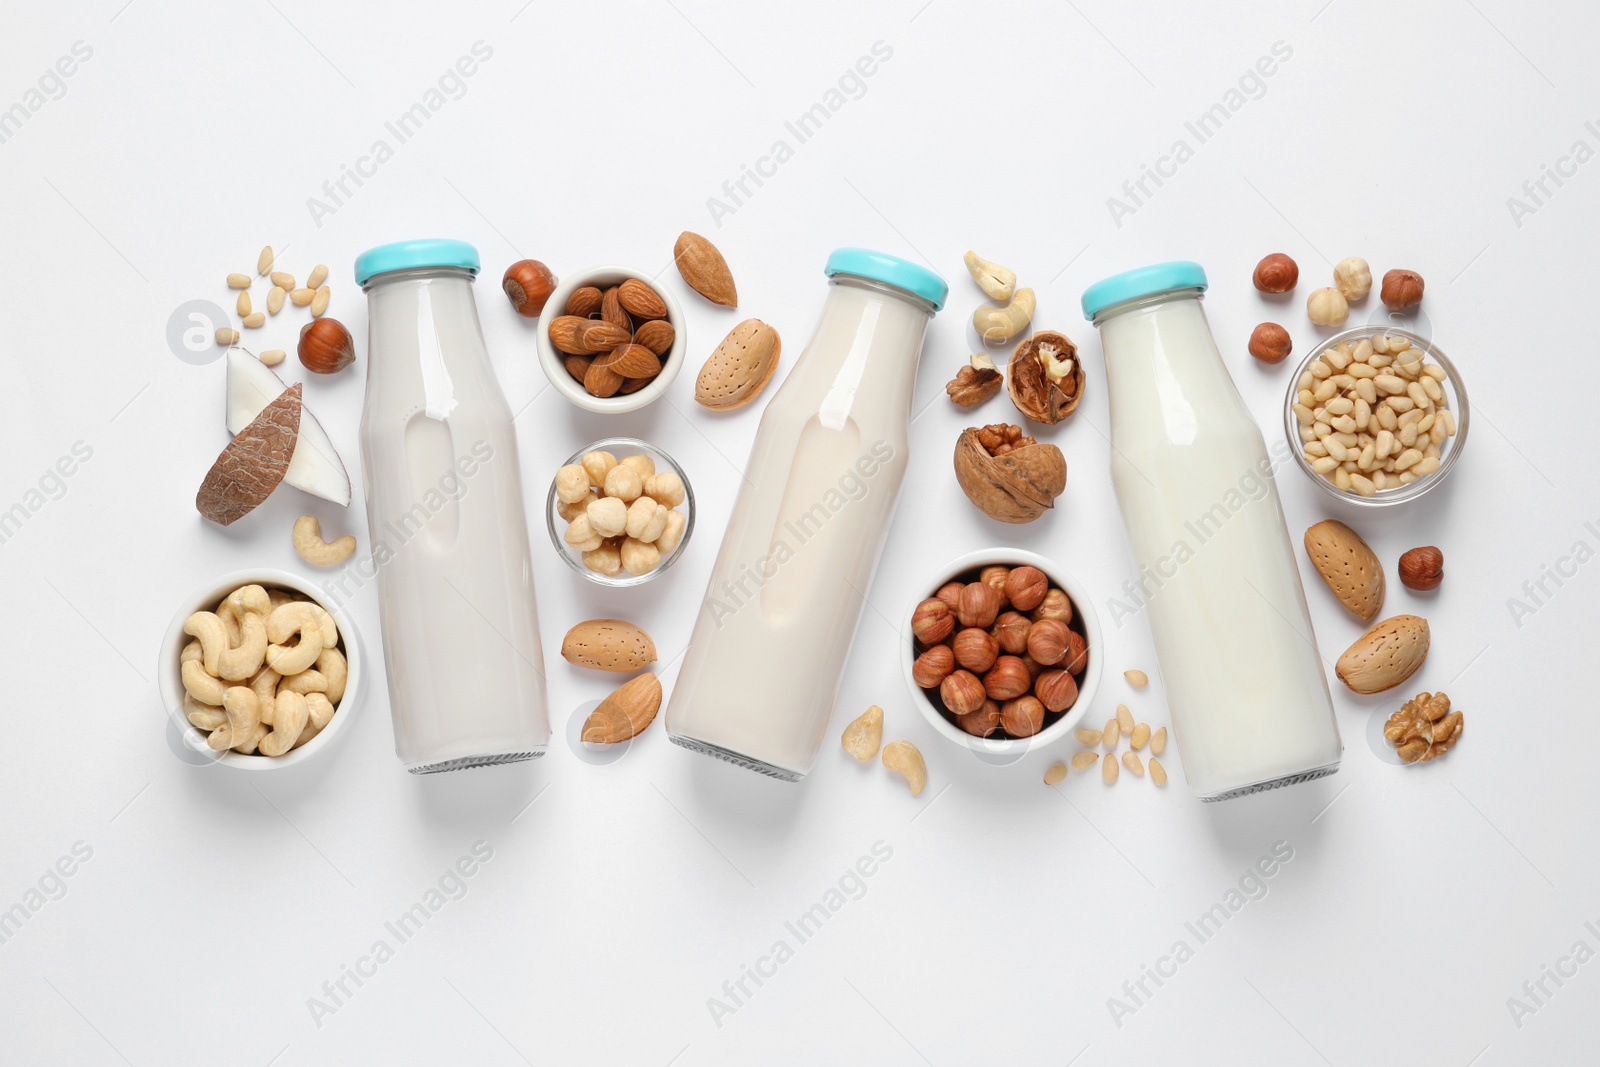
(1217, 574)
(449, 539)
(769, 647)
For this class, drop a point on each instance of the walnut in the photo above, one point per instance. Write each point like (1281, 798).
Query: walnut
(1424, 727)
(1009, 475)
(975, 383)
(1047, 379)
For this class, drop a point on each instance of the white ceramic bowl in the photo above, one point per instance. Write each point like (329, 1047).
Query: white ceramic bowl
(170, 676)
(1084, 617)
(551, 360)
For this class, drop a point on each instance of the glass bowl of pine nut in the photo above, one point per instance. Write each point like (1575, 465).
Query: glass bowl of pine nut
(1376, 415)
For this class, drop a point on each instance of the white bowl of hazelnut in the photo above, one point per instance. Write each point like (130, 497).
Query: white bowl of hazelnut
(1003, 652)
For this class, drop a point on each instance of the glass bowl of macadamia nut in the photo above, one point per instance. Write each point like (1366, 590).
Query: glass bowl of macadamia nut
(1376, 415)
(620, 511)
(1002, 651)
(259, 670)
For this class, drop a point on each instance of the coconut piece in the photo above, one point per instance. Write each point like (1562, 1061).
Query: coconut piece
(254, 462)
(315, 467)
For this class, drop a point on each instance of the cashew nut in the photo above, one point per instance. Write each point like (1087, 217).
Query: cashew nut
(903, 758)
(213, 637)
(318, 712)
(306, 682)
(202, 716)
(325, 623)
(289, 718)
(202, 686)
(996, 281)
(864, 734)
(996, 324)
(300, 617)
(248, 746)
(331, 664)
(265, 686)
(314, 550)
(243, 718)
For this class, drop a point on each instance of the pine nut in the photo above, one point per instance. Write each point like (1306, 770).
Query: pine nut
(1325, 465)
(1386, 417)
(1367, 391)
(319, 302)
(319, 274)
(1426, 465)
(1158, 742)
(1306, 379)
(1320, 369)
(1307, 434)
(1343, 423)
(1054, 773)
(1407, 458)
(1341, 478)
(1430, 385)
(1124, 719)
(238, 281)
(1380, 344)
(1363, 351)
(1335, 448)
(1108, 769)
(264, 260)
(275, 297)
(1389, 384)
(1398, 344)
(273, 356)
(1110, 735)
(1362, 485)
(301, 297)
(1419, 396)
(1407, 477)
(1315, 450)
(243, 303)
(1440, 431)
(1447, 418)
(1087, 737)
(1380, 361)
(1336, 358)
(227, 336)
(1131, 761)
(1158, 773)
(255, 320)
(1363, 371)
(1401, 404)
(1307, 397)
(1434, 371)
(1141, 736)
(1340, 405)
(1303, 413)
(1380, 479)
(1084, 760)
(1383, 445)
(283, 280)
(1136, 678)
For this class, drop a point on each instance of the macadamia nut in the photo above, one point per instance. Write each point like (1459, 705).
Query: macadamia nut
(572, 483)
(623, 483)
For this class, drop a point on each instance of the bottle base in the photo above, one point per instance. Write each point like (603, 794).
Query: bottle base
(706, 748)
(1274, 783)
(462, 763)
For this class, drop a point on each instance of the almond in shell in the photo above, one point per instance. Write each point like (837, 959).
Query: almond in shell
(1384, 656)
(608, 645)
(740, 367)
(1348, 565)
(626, 712)
(703, 267)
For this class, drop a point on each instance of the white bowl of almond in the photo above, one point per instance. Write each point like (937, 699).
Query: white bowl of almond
(620, 511)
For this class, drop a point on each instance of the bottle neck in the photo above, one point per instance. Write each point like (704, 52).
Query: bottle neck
(416, 275)
(855, 281)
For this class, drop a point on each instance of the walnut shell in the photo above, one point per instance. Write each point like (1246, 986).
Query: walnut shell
(1034, 394)
(1016, 487)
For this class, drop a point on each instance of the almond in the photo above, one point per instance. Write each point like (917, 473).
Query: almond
(633, 385)
(577, 366)
(608, 645)
(634, 361)
(600, 380)
(657, 335)
(611, 309)
(597, 335)
(563, 332)
(740, 367)
(640, 301)
(583, 302)
(626, 712)
(1348, 565)
(703, 267)
(1385, 655)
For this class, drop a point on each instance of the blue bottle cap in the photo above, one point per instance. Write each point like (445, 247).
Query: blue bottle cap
(1141, 282)
(891, 270)
(405, 255)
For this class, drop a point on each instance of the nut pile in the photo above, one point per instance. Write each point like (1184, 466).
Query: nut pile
(315, 294)
(264, 674)
(613, 340)
(620, 513)
(1374, 414)
(619, 647)
(999, 652)
(1139, 737)
(1424, 728)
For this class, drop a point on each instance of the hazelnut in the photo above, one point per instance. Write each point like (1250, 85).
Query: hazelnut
(995, 578)
(983, 722)
(325, 346)
(974, 649)
(1048, 641)
(1026, 587)
(1353, 278)
(1402, 290)
(1327, 307)
(1270, 343)
(1008, 678)
(933, 666)
(1056, 690)
(979, 605)
(950, 593)
(528, 285)
(1011, 632)
(1055, 605)
(1422, 569)
(1022, 717)
(962, 692)
(932, 622)
(1035, 668)
(1276, 274)
(1077, 657)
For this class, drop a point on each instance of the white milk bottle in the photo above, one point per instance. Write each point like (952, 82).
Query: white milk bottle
(1217, 574)
(448, 535)
(769, 647)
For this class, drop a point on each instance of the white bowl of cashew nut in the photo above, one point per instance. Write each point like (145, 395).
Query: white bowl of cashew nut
(262, 667)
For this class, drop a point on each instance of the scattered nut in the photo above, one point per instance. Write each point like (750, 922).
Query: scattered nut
(255, 320)
(1158, 773)
(1082, 761)
(1327, 307)
(705, 270)
(264, 260)
(325, 347)
(1424, 728)
(227, 336)
(1131, 761)
(1136, 678)
(301, 297)
(528, 285)
(319, 302)
(1353, 278)
(997, 325)
(1140, 736)
(1125, 719)
(1276, 273)
(314, 280)
(1009, 476)
(1402, 290)
(1270, 343)
(624, 714)
(1108, 769)
(238, 281)
(1047, 379)
(242, 305)
(1422, 569)
(997, 282)
(283, 280)
(1158, 742)
(979, 381)
(903, 758)
(1086, 736)
(273, 356)
(1111, 734)
(864, 735)
(307, 538)
(1054, 773)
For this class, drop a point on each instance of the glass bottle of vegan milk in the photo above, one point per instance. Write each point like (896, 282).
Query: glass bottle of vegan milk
(444, 513)
(1217, 575)
(769, 647)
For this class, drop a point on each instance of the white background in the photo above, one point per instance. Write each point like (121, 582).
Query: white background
(216, 903)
